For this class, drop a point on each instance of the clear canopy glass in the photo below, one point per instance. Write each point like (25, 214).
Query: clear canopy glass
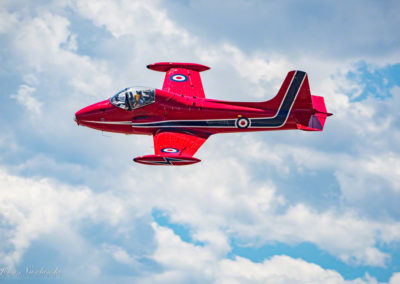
(133, 97)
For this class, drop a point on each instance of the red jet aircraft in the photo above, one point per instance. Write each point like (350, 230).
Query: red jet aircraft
(181, 118)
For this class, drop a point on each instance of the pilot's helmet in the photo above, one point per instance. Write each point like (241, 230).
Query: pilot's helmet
(137, 97)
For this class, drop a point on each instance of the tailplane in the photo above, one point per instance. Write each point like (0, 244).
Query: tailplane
(309, 111)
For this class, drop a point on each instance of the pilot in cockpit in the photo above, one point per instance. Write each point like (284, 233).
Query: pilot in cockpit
(133, 98)
(137, 102)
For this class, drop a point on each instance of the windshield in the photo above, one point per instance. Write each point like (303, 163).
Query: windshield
(134, 97)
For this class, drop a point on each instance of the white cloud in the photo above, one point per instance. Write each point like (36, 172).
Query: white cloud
(140, 19)
(234, 206)
(119, 254)
(25, 97)
(278, 269)
(395, 278)
(184, 262)
(31, 209)
(44, 46)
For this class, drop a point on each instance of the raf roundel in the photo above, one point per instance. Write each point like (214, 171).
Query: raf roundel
(170, 150)
(242, 122)
(178, 78)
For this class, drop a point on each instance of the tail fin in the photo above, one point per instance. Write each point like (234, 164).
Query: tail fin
(309, 111)
(290, 79)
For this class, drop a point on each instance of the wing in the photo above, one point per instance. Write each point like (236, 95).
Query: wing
(173, 149)
(181, 78)
(177, 143)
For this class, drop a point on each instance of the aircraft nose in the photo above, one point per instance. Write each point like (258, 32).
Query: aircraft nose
(76, 119)
(93, 112)
(87, 113)
(78, 115)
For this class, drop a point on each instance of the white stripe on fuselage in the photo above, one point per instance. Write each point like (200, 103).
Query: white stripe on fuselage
(109, 122)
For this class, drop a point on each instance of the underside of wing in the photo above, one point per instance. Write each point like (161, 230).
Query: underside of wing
(174, 149)
(181, 78)
(177, 143)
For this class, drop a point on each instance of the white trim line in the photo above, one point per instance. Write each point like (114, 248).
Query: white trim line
(109, 122)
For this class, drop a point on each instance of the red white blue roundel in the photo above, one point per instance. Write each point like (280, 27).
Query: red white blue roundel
(178, 78)
(170, 150)
(242, 122)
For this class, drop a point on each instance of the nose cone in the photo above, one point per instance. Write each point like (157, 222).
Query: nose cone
(92, 112)
(83, 114)
(78, 116)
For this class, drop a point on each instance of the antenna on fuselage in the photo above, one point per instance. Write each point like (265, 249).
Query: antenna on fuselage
(102, 134)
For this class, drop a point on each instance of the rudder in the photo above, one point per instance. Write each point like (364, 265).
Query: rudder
(309, 111)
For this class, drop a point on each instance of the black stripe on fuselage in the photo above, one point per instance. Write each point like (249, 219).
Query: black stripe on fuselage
(278, 120)
(284, 110)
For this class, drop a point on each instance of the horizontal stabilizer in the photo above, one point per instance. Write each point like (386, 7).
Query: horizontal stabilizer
(314, 119)
(170, 160)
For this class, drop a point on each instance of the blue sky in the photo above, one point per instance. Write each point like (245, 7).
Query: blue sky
(278, 207)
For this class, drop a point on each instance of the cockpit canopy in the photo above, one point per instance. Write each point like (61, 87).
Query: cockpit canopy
(133, 97)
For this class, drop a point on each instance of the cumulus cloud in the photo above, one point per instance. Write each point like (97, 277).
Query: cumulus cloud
(44, 45)
(32, 208)
(258, 219)
(184, 262)
(25, 97)
(119, 254)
